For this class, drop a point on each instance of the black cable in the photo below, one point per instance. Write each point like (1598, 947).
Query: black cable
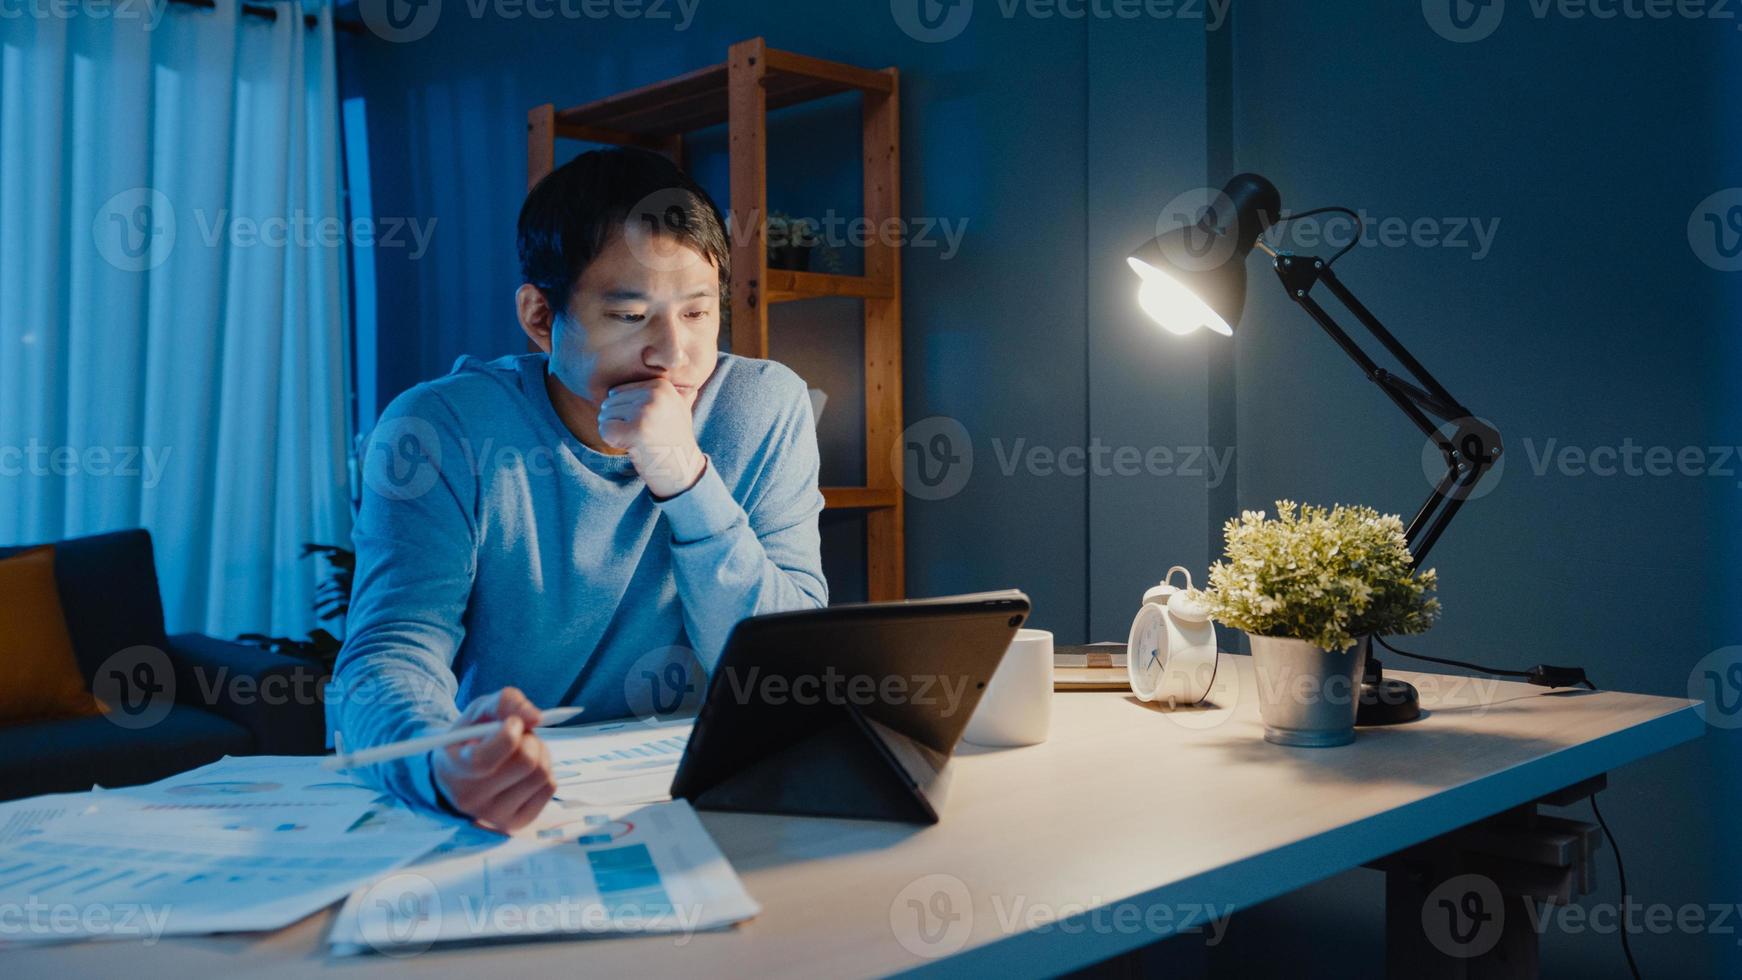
(1542, 675)
(1621, 873)
(1452, 663)
(1360, 226)
(1546, 676)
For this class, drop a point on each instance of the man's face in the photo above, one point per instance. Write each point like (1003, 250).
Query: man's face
(643, 309)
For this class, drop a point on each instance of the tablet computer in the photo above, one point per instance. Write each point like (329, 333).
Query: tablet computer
(847, 711)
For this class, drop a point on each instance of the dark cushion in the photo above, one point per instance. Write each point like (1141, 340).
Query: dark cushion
(68, 756)
(108, 590)
(278, 699)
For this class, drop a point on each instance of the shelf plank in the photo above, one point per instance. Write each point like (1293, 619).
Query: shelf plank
(618, 137)
(699, 99)
(860, 498)
(885, 530)
(540, 142)
(851, 76)
(785, 285)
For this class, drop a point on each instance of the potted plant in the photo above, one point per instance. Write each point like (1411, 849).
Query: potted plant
(792, 241)
(789, 241)
(1310, 588)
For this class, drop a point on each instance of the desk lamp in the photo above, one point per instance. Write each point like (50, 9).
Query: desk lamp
(1195, 277)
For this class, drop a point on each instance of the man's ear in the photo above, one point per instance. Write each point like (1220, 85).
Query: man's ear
(536, 316)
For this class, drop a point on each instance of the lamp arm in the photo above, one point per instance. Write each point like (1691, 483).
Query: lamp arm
(1470, 450)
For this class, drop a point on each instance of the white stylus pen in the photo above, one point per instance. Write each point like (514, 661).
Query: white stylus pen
(426, 743)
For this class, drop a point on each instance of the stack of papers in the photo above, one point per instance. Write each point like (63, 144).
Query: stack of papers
(611, 854)
(617, 762)
(577, 871)
(243, 844)
(256, 843)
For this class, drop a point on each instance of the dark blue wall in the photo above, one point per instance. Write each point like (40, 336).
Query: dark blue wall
(1589, 322)
(992, 131)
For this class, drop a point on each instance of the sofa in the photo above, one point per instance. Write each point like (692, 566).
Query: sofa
(198, 698)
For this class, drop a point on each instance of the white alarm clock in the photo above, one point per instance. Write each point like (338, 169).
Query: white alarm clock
(1170, 655)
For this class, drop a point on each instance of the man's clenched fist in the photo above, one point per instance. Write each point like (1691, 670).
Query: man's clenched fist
(502, 781)
(652, 420)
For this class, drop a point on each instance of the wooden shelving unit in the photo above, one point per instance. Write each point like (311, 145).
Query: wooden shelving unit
(739, 93)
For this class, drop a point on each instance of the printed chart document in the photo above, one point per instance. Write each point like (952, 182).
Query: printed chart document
(21, 817)
(618, 762)
(240, 845)
(576, 871)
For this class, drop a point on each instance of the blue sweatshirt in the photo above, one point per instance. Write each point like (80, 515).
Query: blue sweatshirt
(496, 549)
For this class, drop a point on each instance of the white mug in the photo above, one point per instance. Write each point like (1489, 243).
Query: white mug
(1016, 708)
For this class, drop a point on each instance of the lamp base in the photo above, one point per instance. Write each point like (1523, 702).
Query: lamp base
(1385, 702)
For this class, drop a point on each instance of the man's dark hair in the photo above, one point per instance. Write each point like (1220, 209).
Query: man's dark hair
(572, 213)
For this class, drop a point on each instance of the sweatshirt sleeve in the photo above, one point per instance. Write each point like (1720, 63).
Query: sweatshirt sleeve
(415, 540)
(732, 563)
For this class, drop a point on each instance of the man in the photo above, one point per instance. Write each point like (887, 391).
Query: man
(535, 528)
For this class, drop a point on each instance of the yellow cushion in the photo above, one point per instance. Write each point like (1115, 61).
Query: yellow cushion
(39, 677)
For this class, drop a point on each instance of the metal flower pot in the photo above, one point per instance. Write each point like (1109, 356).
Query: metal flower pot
(1307, 696)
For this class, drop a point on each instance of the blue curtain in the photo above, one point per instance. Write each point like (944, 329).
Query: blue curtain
(173, 335)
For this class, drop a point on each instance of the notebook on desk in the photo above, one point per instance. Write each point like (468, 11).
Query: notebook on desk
(1089, 667)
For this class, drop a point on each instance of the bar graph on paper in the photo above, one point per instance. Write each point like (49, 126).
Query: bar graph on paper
(659, 753)
(617, 761)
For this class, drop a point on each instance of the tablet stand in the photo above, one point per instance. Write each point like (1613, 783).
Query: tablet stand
(846, 765)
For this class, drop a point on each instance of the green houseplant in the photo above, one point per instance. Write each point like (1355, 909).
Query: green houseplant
(1309, 587)
(792, 242)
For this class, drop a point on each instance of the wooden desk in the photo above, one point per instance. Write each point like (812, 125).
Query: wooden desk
(1188, 810)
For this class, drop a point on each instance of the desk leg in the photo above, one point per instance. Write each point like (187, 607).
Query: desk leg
(1466, 906)
(1444, 921)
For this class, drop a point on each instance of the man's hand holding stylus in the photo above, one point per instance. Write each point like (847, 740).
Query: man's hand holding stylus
(502, 781)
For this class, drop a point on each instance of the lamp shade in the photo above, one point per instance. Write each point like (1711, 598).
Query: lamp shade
(1194, 275)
